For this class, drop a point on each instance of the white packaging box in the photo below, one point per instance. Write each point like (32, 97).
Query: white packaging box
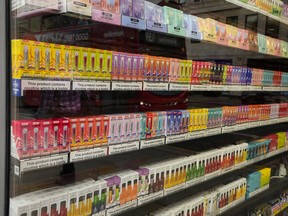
(79, 7)
(32, 5)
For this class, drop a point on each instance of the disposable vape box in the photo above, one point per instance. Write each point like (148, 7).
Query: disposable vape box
(265, 176)
(20, 206)
(177, 173)
(195, 205)
(222, 37)
(34, 5)
(210, 33)
(143, 126)
(281, 140)
(169, 15)
(21, 58)
(35, 135)
(232, 32)
(138, 7)
(242, 37)
(253, 41)
(81, 7)
(99, 195)
(126, 7)
(264, 44)
(104, 5)
(253, 183)
(143, 181)
(270, 43)
(284, 49)
(191, 164)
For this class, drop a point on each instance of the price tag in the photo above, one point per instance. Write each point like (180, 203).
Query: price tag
(122, 208)
(254, 124)
(217, 88)
(241, 127)
(152, 142)
(150, 86)
(256, 88)
(174, 189)
(228, 129)
(29, 84)
(44, 162)
(213, 131)
(86, 154)
(179, 87)
(149, 198)
(284, 88)
(196, 134)
(127, 86)
(123, 147)
(254, 193)
(176, 138)
(199, 87)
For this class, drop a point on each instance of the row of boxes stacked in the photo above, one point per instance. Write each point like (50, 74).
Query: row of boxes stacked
(170, 20)
(144, 183)
(257, 180)
(33, 59)
(275, 7)
(40, 137)
(274, 206)
(210, 202)
(218, 199)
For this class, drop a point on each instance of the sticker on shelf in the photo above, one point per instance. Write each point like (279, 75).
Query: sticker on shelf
(106, 17)
(195, 181)
(176, 138)
(126, 86)
(154, 26)
(226, 208)
(149, 198)
(123, 147)
(87, 154)
(39, 163)
(196, 134)
(256, 88)
(268, 88)
(154, 86)
(245, 88)
(217, 88)
(240, 165)
(212, 175)
(29, 84)
(254, 124)
(91, 85)
(242, 126)
(122, 208)
(226, 170)
(284, 88)
(199, 87)
(213, 131)
(274, 121)
(174, 189)
(16, 87)
(254, 193)
(229, 129)
(152, 142)
(133, 22)
(179, 87)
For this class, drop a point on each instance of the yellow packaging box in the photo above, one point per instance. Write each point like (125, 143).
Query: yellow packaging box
(75, 61)
(205, 118)
(191, 120)
(36, 59)
(45, 61)
(232, 36)
(92, 63)
(66, 61)
(182, 64)
(21, 57)
(104, 64)
(189, 71)
(210, 33)
(265, 176)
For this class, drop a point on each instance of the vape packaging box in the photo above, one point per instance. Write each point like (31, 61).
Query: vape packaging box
(81, 7)
(75, 60)
(253, 41)
(105, 64)
(138, 9)
(265, 176)
(34, 5)
(264, 44)
(169, 15)
(143, 181)
(36, 60)
(21, 58)
(143, 126)
(284, 49)
(210, 33)
(221, 32)
(161, 129)
(232, 32)
(177, 173)
(191, 164)
(104, 5)
(191, 24)
(253, 182)
(242, 37)
(281, 140)
(156, 178)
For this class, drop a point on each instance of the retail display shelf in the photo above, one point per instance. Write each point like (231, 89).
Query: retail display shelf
(32, 164)
(257, 10)
(209, 177)
(97, 85)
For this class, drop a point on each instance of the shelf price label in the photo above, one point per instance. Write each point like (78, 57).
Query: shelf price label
(176, 138)
(213, 131)
(123, 147)
(196, 134)
(151, 86)
(91, 85)
(152, 142)
(179, 87)
(127, 86)
(30, 84)
(228, 129)
(87, 154)
(122, 208)
(199, 87)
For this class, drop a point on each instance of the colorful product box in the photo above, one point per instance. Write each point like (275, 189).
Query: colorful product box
(242, 37)
(191, 24)
(104, 5)
(264, 44)
(82, 7)
(21, 58)
(210, 33)
(222, 37)
(154, 12)
(232, 33)
(253, 41)
(265, 176)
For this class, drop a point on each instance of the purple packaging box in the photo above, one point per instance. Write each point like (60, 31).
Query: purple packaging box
(128, 67)
(126, 7)
(138, 9)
